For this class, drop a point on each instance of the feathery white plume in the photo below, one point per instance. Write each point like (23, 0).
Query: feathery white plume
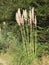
(32, 14)
(19, 15)
(19, 12)
(20, 18)
(30, 17)
(25, 14)
(17, 19)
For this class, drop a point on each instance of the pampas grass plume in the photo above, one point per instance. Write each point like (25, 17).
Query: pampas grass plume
(25, 15)
(30, 17)
(32, 14)
(17, 19)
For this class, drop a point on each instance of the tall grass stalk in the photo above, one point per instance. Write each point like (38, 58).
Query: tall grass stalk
(0, 34)
(20, 22)
(31, 17)
(35, 44)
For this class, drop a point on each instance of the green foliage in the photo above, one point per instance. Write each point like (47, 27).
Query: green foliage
(1, 64)
(20, 51)
(9, 7)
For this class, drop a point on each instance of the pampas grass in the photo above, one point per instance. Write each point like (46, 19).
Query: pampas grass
(27, 26)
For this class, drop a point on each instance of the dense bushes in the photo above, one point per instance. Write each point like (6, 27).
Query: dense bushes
(9, 7)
